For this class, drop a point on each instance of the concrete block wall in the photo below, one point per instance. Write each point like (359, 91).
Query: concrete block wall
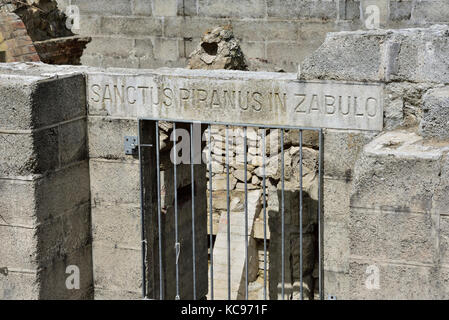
(383, 217)
(116, 216)
(155, 33)
(44, 185)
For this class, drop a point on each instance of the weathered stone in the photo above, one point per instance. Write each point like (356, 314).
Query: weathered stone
(435, 114)
(118, 225)
(228, 95)
(218, 50)
(381, 55)
(389, 166)
(117, 268)
(114, 182)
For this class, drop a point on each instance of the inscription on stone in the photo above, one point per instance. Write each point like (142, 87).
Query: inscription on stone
(281, 101)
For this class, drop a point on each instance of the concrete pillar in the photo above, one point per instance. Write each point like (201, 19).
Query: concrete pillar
(44, 186)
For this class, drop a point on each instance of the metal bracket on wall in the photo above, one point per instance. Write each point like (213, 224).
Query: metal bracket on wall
(131, 145)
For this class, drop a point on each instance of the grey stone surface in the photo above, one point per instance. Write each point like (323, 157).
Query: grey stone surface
(114, 182)
(113, 146)
(15, 106)
(53, 277)
(19, 286)
(62, 190)
(435, 117)
(17, 203)
(45, 206)
(270, 98)
(116, 224)
(117, 268)
(342, 149)
(272, 20)
(399, 282)
(415, 55)
(387, 167)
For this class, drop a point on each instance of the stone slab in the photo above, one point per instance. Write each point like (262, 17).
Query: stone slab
(224, 96)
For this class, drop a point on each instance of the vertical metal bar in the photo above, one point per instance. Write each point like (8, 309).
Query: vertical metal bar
(301, 289)
(228, 217)
(192, 174)
(142, 215)
(264, 217)
(320, 226)
(175, 186)
(158, 178)
(211, 221)
(283, 214)
(245, 156)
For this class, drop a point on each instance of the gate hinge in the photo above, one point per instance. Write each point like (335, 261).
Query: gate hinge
(131, 145)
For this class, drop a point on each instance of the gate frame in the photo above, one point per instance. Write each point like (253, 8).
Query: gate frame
(154, 143)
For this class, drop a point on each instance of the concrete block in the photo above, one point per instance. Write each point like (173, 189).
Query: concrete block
(166, 49)
(17, 203)
(144, 48)
(117, 225)
(348, 10)
(90, 25)
(26, 154)
(286, 55)
(142, 7)
(187, 8)
(187, 45)
(341, 150)
(117, 268)
(114, 182)
(16, 105)
(382, 8)
(59, 100)
(92, 60)
(381, 55)
(389, 166)
(422, 57)
(253, 49)
(76, 225)
(444, 240)
(232, 8)
(398, 282)
(336, 284)
(19, 286)
(336, 199)
(261, 30)
(393, 235)
(104, 7)
(109, 46)
(132, 26)
(19, 247)
(440, 199)
(429, 12)
(106, 137)
(336, 243)
(120, 62)
(62, 191)
(435, 115)
(73, 142)
(105, 294)
(189, 27)
(401, 10)
(165, 8)
(53, 277)
(309, 9)
(361, 62)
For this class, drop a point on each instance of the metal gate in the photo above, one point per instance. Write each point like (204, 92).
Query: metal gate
(167, 272)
